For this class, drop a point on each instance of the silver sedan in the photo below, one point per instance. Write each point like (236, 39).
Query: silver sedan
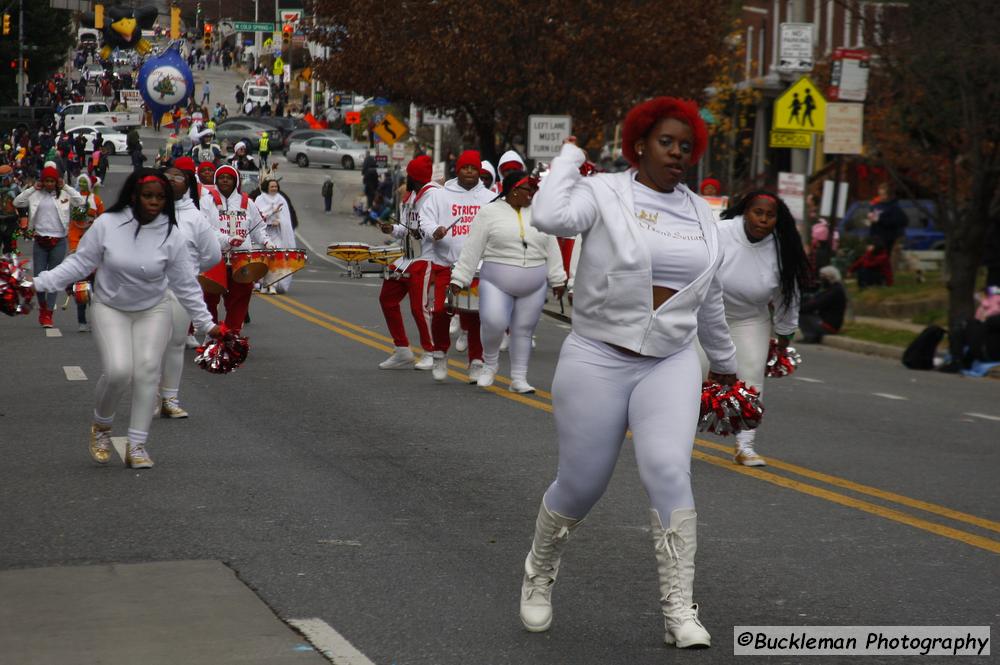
(327, 151)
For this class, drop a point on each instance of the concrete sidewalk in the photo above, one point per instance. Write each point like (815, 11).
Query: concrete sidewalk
(167, 613)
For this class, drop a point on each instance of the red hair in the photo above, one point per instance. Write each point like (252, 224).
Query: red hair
(642, 117)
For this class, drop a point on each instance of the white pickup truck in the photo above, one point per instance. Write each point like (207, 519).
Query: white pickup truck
(99, 115)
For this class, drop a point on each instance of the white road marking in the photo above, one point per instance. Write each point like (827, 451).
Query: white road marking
(329, 642)
(53, 332)
(806, 379)
(337, 541)
(321, 255)
(119, 442)
(890, 396)
(74, 373)
(982, 415)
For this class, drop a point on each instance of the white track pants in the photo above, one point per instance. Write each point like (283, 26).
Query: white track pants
(510, 297)
(173, 356)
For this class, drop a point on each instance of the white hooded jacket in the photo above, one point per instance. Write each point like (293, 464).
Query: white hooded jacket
(454, 208)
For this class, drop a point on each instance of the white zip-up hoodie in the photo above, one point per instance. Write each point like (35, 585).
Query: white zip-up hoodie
(66, 198)
(133, 269)
(750, 280)
(204, 243)
(409, 212)
(613, 286)
(496, 236)
(454, 208)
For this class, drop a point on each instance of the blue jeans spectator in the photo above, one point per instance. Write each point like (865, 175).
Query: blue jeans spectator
(43, 259)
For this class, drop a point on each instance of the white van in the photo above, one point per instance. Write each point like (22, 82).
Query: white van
(258, 94)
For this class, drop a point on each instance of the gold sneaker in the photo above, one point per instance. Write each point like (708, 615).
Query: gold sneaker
(171, 408)
(100, 443)
(137, 457)
(747, 457)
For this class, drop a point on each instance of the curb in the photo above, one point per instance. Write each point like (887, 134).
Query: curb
(860, 346)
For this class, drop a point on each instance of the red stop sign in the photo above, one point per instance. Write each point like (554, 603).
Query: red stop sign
(352, 118)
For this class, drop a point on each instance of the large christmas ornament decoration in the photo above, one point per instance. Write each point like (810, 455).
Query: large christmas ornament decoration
(123, 28)
(165, 80)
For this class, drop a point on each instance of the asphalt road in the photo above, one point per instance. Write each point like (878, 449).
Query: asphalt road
(399, 511)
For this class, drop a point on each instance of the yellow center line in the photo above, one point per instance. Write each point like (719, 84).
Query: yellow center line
(367, 337)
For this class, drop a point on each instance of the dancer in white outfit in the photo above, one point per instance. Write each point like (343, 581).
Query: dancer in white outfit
(517, 260)
(204, 245)
(136, 254)
(762, 275)
(277, 215)
(646, 286)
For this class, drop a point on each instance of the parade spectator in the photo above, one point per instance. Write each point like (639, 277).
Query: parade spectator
(206, 93)
(134, 148)
(888, 220)
(327, 192)
(977, 339)
(241, 159)
(874, 267)
(822, 313)
(81, 219)
(369, 178)
(264, 149)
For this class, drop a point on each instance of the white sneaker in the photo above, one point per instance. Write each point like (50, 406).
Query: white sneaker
(192, 342)
(425, 363)
(486, 376)
(454, 326)
(462, 343)
(401, 358)
(272, 290)
(475, 370)
(440, 369)
(505, 342)
(84, 327)
(521, 386)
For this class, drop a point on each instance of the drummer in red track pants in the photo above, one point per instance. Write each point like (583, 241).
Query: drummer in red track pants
(446, 216)
(235, 215)
(409, 275)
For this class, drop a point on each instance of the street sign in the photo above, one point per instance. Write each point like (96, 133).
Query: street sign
(292, 16)
(398, 152)
(800, 108)
(381, 161)
(279, 66)
(390, 129)
(546, 134)
(800, 140)
(251, 26)
(792, 190)
(438, 173)
(286, 73)
(796, 52)
(844, 129)
(352, 118)
(436, 118)
(849, 75)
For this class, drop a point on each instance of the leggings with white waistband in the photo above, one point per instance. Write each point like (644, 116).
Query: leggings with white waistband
(510, 297)
(131, 347)
(599, 393)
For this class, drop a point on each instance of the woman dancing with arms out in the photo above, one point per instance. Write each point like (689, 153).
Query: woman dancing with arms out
(646, 284)
(137, 254)
(764, 267)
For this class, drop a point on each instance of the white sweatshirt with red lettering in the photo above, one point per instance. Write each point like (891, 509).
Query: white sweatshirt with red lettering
(454, 208)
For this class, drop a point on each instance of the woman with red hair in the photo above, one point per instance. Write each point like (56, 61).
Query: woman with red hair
(645, 286)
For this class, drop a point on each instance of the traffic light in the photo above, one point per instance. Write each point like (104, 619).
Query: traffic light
(208, 36)
(286, 36)
(6, 24)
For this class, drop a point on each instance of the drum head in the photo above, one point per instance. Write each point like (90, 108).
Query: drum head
(210, 286)
(249, 273)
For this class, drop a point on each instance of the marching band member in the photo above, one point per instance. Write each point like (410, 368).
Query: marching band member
(510, 161)
(411, 275)
(204, 244)
(488, 175)
(646, 285)
(764, 267)
(516, 260)
(277, 214)
(446, 218)
(235, 215)
(136, 254)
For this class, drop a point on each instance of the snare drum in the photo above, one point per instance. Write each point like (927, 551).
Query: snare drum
(466, 300)
(214, 280)
(281, 263)
(351, 252)
(81, 292)
(386, 254)
(248, 265)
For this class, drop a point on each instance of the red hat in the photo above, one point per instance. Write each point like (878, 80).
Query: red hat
(421, 168)
(710, 182)
(184, 164)
(206, 165)
(469, 158)
(226, 168)
(50, 172)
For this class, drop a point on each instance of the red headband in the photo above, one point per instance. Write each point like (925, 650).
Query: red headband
(149, 178)
(526, 180)
(766, 196)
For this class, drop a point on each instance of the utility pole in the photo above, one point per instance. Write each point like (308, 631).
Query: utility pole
(21, 82)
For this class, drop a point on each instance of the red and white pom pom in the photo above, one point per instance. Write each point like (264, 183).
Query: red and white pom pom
(727, 410)
(16, 288)
(588, 168)
(223, 354)
(781, 361)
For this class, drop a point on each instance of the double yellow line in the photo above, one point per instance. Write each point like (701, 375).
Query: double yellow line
(710, 451)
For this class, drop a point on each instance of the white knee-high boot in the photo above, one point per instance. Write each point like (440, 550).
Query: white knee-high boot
(541, 567)
(675, 549)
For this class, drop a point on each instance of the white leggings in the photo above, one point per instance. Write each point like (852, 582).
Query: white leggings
(173, 356)
(510, 297)
(131, 347)
(598, 393)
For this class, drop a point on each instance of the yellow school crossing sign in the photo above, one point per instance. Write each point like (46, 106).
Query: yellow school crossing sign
(801, 108)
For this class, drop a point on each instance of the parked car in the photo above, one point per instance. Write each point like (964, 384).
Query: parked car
(921, 231)
(303, 134)
(231, 132)
(99, 115)
(327, 151)
(112, 141)
(282, 126)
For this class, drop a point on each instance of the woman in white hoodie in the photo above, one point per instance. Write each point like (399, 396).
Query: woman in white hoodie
(276, 212)
(204, 245)
(136, 256)
(646, 285)
(517, 260)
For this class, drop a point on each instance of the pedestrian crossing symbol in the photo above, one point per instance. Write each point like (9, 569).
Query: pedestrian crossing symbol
(801, 108)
